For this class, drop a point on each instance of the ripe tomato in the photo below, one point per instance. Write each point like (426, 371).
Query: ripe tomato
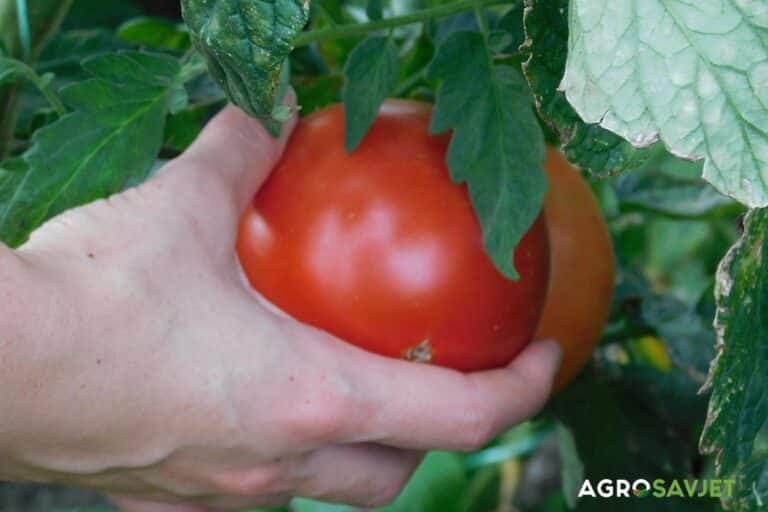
(381, 249)
(582, 267)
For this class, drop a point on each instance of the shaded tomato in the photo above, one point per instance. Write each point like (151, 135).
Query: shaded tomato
(582, 267)
(381, 249)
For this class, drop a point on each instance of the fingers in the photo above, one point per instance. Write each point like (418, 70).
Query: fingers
(235, 150)
(363, 475)
(425, 407)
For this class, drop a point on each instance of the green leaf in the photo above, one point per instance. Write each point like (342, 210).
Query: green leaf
(572, 470)
(670, 186)
(497, 147)
(587, 145)
(736, 423)
(154, 32)
(370, 74)
(67, 50)
(245, 45)
(109, 142)
(692, 74)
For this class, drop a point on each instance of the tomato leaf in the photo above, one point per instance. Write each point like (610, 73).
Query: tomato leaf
(692, 74)
(669, 186)
(589, 146)
(497, 147)
(736, 424)
(370, 74)
(107, 143)
(246, 45)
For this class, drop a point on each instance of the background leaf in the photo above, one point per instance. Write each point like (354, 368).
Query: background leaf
(692, 74)
(497, 146)
(736, 428)
(670, 185)
(110, 141)
(370, 74)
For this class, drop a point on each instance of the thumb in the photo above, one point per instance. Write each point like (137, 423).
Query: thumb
(235, 151)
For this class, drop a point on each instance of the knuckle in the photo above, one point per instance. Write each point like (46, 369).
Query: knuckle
(322, 413)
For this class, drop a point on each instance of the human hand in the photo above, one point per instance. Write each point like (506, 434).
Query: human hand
(157, 377)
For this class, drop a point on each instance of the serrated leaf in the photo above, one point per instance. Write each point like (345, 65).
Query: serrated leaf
(369, 75)
(692, 74)
(497, 147)
(589, 146)
(736, 424)
(109, 142)
(245, 45)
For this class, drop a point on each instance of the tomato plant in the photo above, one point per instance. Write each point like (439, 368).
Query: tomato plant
(659, 106)
(379, 247)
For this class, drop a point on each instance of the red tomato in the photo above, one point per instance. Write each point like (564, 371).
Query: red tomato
(381, 249)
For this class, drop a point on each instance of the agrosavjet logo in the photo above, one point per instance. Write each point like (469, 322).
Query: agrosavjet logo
(658, 488)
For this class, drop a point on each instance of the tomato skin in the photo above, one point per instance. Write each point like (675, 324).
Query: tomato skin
(381, 249)
(582, 267)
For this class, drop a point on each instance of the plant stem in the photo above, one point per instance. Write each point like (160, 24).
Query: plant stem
(44, 18)
(482, 21)
(343, 31)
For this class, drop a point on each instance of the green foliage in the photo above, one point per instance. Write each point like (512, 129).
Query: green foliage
(246, 45)
(671, 186)
(736, 424)
(369, 75)
(587, 145)
(108, 141)
(691, 74)
(502, 162)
